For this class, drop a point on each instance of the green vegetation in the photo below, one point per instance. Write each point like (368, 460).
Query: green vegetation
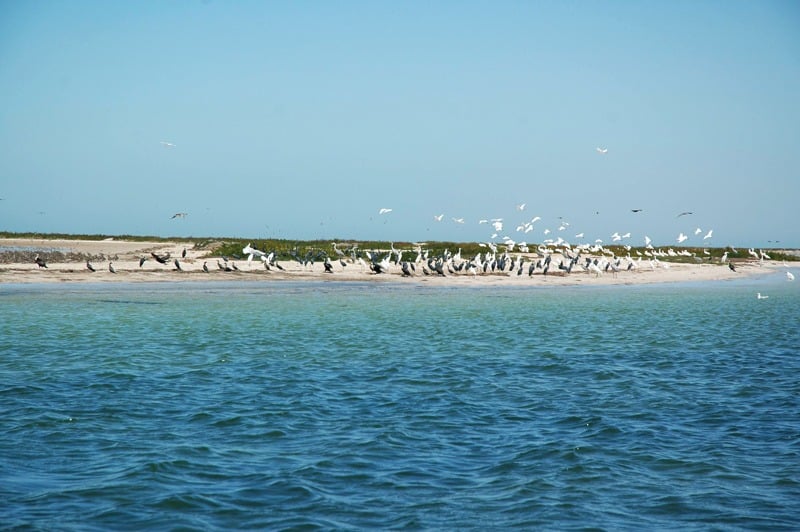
(285, 248)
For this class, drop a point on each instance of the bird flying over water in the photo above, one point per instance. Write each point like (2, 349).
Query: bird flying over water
(602, 151)
(438, 217)
(384, 211)
(789, 276)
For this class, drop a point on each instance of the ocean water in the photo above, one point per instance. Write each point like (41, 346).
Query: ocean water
(331, 405)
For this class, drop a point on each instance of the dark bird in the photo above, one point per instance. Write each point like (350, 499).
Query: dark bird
(233, 265)
(636, 210)
(328, 266)
(90, 267)
(731, 266)
(684, 213)
(205, 267)
(179, 215)
(40, 262)
(183, 254)
(160, 259)
(111, 268)
(141, 261)
(178, 266)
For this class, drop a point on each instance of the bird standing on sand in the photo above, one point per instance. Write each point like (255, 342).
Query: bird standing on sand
(205, 267)
(178, 266)
(731, 266)
(111, 268)
(90, 267)
(40, 262)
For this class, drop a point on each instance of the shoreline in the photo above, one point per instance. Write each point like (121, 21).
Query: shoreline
(124, 256)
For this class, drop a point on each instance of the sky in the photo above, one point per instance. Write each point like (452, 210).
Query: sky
(302, 120)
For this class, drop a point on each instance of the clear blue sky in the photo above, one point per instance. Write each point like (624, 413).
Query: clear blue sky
(302, 119)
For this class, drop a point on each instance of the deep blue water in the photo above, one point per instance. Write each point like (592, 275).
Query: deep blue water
(379, 406)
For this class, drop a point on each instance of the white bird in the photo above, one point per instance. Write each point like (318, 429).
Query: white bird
(579, 235)
(384, 211)
(438, 217)
(458, 220)
(759, 296)
(167, 144)
(602, 151)
(681, 238)
(708, 235)
(521, 207)
(789, 276)
(647, 240)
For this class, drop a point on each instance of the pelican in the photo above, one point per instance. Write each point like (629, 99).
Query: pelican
(111, 268)
(384, 211)
(602, 151)
(89, 267)
(789, 276)
(759, 296)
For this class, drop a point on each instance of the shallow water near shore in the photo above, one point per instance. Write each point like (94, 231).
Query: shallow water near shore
(366, 405)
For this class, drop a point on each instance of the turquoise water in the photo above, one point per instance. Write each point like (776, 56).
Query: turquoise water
(379, 406)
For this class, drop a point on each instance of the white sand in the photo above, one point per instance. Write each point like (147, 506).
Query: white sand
(125, 257)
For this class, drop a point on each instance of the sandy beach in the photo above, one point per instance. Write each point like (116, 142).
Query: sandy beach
(125, 256)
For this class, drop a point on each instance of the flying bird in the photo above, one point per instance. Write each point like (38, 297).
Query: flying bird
(708, 235)
(636, 210)
(521, 206)
(759, 296)
(179, 215)
(602, 151)
(681, 238)
(438, 217)
(684, 213)
(384, 211)
(167, 144)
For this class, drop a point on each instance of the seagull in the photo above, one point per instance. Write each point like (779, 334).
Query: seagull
(438, 217)
(684, 213)
(789, 276)
(759, 296)
(602, 151)
(458, 220)
(167, 144)
(521, 206)
(384, 211)
(681, 238)
(708, 235)
(179, 215)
